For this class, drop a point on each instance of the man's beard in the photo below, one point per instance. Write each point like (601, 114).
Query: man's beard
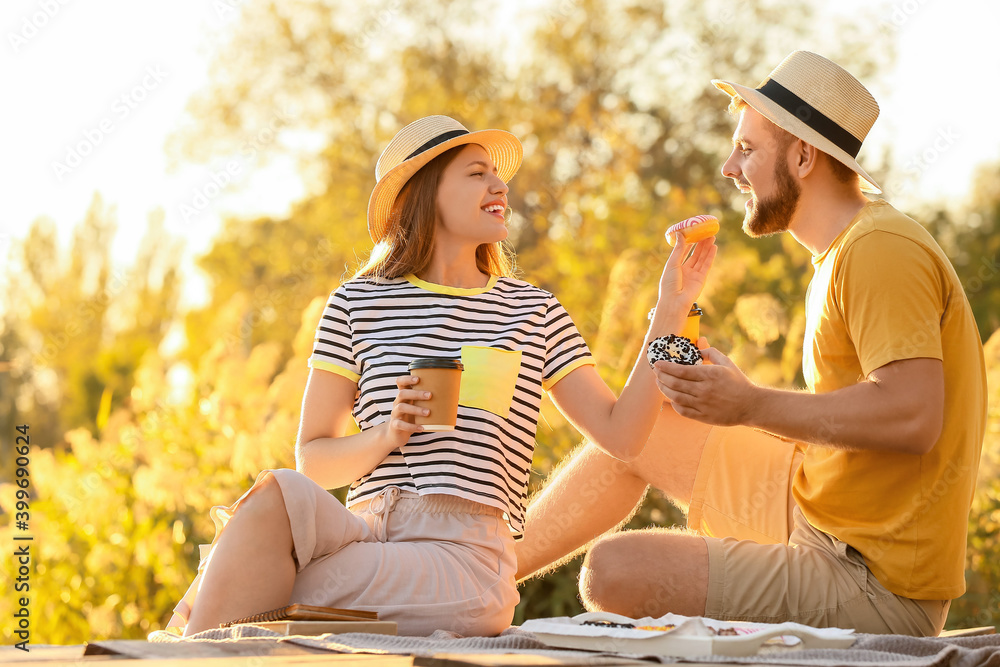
(773, 215)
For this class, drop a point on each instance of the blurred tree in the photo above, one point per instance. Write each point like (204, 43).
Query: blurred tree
(119, 516)
(264, 273)
(77, 326)
(981, 604)
(970, 235)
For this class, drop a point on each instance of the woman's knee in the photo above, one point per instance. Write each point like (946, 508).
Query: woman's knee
(264, 504)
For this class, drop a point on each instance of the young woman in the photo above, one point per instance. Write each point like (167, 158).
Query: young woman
(428, 539)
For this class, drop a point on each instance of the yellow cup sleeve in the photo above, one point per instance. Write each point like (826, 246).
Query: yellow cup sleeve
(488, 378)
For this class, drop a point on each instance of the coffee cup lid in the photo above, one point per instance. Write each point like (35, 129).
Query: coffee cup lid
(436, 362)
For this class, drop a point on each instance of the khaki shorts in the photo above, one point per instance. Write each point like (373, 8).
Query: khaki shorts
(435, 562)
(768, 564)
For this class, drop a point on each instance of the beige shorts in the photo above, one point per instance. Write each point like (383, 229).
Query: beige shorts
(429, 563)
(768, 564)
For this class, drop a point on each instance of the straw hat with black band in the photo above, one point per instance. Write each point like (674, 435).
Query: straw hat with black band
(420, 142)
(819, 102)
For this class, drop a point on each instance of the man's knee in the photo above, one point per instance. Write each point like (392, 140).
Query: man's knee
(646, 573)
(601, 574)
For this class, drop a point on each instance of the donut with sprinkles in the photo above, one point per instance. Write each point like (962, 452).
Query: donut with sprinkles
(694, 229)
(675, 349)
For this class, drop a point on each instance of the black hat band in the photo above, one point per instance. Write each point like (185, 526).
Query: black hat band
(436, 141)
(811, 116)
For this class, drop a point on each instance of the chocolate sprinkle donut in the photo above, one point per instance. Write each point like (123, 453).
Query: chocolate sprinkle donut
(676, 349)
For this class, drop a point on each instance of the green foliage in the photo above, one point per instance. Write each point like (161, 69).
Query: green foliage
(82, 325)
(117, 519)
(981, 604)
(623, 136)
(971, 237)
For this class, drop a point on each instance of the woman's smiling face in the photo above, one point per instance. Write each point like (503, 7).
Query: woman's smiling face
(471, 200)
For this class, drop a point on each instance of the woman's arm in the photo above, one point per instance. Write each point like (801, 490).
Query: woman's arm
(329, 457)
(621, 426)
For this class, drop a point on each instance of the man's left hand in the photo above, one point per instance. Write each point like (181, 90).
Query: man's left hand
(716, 392)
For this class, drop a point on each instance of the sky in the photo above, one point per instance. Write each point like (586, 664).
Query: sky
(93, 89)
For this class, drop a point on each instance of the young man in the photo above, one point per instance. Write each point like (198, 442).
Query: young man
(846, 505)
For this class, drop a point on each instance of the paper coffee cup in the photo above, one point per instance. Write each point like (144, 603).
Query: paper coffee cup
(443, 378)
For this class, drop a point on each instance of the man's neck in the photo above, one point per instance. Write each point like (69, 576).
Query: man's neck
(822, 214)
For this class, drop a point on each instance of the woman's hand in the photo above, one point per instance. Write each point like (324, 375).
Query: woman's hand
(400, 425)
(682, 280)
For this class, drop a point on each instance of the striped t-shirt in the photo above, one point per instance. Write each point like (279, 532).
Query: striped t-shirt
(514, 340)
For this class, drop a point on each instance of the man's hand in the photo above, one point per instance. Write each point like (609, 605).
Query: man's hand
(898, 408)
(714, 393)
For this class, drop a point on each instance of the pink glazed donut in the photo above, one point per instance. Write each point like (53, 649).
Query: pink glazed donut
(694, 229)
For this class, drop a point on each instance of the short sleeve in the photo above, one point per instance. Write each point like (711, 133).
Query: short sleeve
(892, 295)
(332, 348)
(565, 349)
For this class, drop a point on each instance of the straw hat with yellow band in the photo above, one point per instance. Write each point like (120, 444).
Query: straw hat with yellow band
(817, 101)
(420, 142)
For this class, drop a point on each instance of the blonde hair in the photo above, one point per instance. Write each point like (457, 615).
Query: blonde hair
(408, 244)
(736, 105)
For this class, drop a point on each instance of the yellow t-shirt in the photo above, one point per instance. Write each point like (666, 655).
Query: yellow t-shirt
(885, 291)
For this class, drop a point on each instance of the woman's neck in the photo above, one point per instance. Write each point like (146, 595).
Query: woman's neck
(454, 273)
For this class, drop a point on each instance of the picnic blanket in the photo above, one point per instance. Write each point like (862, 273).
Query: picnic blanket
(868, 650)
(511, 641)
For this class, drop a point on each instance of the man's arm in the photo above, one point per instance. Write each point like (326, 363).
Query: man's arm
(589, 494)
(897, 408)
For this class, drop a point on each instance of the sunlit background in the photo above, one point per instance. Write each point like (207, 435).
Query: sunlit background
(183, 183)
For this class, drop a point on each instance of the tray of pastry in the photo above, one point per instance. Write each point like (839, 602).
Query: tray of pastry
(680, 636)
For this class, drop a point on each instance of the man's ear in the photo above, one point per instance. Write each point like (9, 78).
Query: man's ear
(805, 158)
